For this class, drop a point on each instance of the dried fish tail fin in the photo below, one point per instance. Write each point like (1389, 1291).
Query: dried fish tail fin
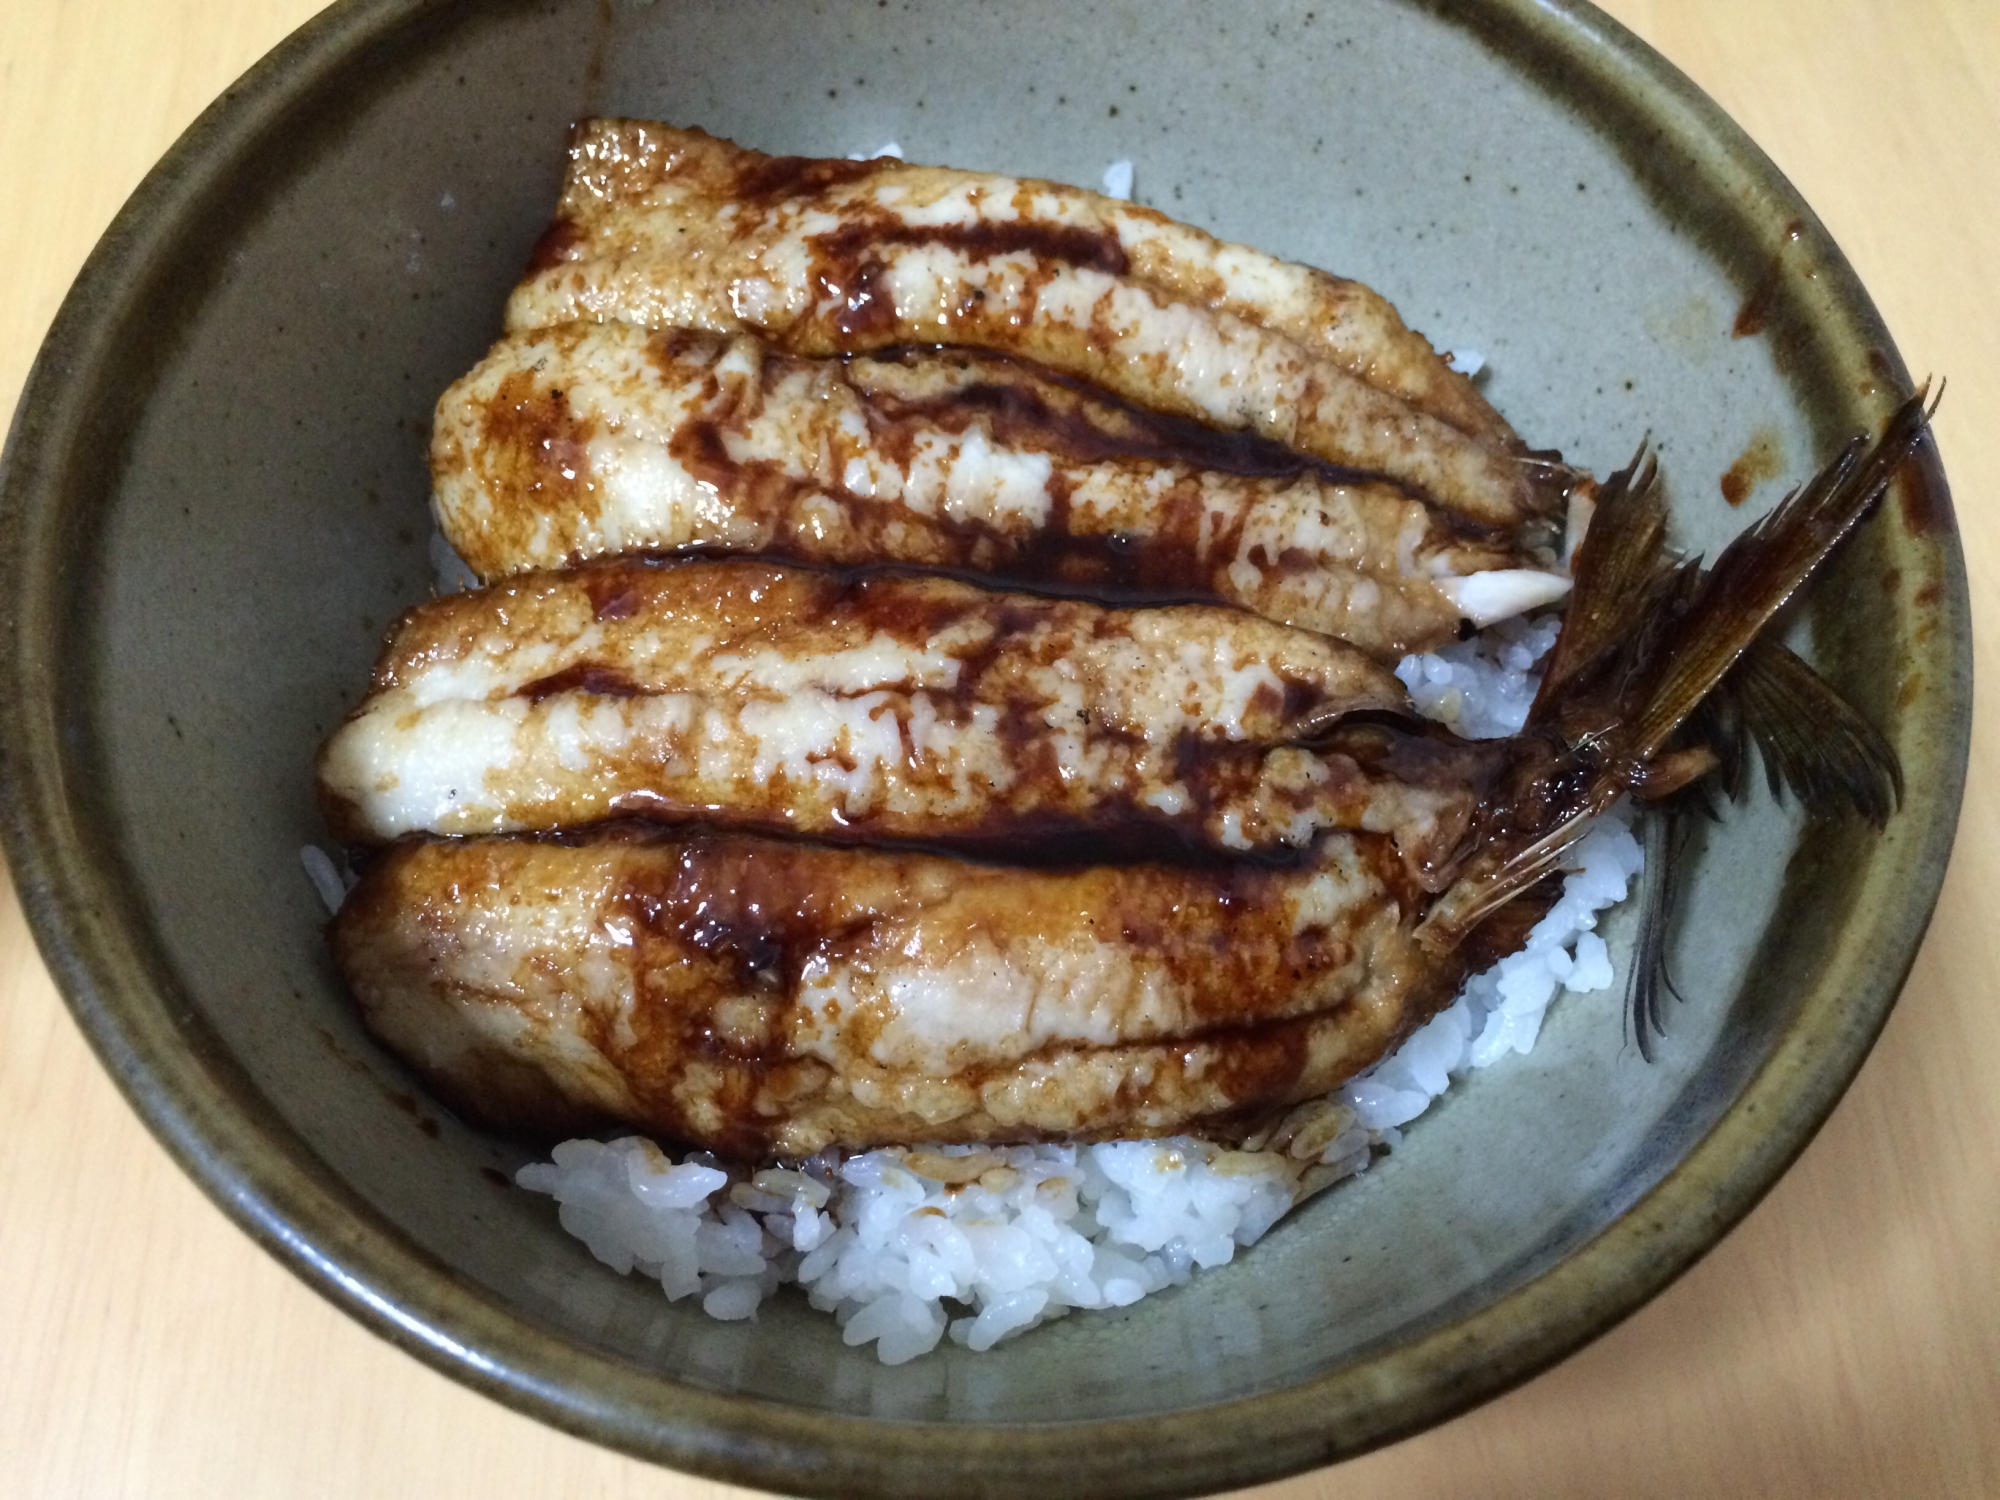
(1761, 571)
(1665, 832)
(1660, 677)
(1565, 770)
(1617, 576)
(1814, 743)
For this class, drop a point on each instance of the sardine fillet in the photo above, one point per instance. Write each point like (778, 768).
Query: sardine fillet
(765, 998)
(907, 707)
(586, 439)
(669, 228)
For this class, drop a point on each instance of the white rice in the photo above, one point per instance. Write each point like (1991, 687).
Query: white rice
(906, 1247)
(330, 876)
(1482, 688)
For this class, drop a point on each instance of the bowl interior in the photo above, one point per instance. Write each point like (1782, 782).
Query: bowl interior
(260, 518)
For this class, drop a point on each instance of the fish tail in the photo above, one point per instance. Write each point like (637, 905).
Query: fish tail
(1661, 679)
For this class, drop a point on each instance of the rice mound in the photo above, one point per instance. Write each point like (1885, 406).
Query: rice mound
(1016, 1235)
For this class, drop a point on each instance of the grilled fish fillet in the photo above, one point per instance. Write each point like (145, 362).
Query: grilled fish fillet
(670, 228)
(764, 998)
(586, 439)
(879, 706)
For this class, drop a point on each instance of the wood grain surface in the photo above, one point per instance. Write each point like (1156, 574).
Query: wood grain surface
(1844, 1341)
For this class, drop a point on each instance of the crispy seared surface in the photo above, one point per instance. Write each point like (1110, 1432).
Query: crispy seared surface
(586, 439)
(761, 998)
(670, 228)
(878, 706)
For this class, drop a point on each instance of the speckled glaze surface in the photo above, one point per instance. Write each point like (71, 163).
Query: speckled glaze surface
(213, 503)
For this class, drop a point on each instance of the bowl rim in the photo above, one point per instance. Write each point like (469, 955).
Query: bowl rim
(206, 1111)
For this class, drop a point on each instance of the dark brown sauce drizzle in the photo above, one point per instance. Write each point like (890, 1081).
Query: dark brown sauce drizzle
(1119, 826)
(613, 594)
(582, 678)
(1096, 426)
(1257, 1067)
(761, 909)
(1064, 244)
(1117, 830)
(532, 429)
(849, 267)
(1026, 844)
(1028, 408)
(1923, 501)
(409, 1106)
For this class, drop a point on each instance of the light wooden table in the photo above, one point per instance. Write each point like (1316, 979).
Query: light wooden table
(1844, 1341)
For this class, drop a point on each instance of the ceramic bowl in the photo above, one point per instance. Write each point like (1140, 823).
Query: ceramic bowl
(214, 503)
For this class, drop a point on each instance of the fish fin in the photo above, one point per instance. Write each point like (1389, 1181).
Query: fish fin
(1664, 832)
(1506, 931)
(1759, 572)
(1813, 742)
(1615, 577)
(1668, 634)
(1478, 894)
(1674, 771)
(1549, 479)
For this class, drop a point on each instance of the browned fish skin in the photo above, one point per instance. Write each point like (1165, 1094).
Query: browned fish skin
(764, 998)
(671, 228)
(879, 706)
(586, 439)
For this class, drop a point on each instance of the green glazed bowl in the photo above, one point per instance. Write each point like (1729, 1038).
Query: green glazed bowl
(213, 503)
